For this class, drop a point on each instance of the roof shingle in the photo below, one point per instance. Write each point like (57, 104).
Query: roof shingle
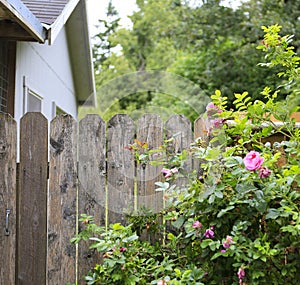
(46, 11)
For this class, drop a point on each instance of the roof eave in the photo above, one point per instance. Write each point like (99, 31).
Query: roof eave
(81, 55)
(55, 28)
(23, 16)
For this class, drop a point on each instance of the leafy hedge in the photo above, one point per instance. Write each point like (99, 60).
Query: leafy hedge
(238, 219)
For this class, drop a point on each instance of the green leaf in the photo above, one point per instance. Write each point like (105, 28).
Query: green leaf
(272, 214)
(186, 275)
(179, 222)
(131, 238)
(224, 211)
(211, 199)
(217, 254)
(206, 242)
(232, 161)
(177, 272)
(219, 194)
(117, 227)
(163, 186)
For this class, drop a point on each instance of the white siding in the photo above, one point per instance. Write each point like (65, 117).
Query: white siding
(47, 72)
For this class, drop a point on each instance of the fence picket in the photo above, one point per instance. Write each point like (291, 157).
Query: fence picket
(8, 143)
(150, 130)
(120, 168)
(180, 128)
(201, 128)
(62, 200)
(32, 221)
(92, 178)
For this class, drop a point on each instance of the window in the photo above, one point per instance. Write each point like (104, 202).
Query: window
(57, 110)
(32, 100)
(7, 76)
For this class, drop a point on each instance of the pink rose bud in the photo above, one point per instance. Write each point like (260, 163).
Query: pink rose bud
(212, 106)
(197, 225)
(174, 170)
(228, 241)
(209, 234)
(212, 109)
(217, 123)
(169, 172)
(264, 172)
(241, 273)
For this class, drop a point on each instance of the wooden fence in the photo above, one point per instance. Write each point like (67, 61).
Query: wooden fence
(81, 168)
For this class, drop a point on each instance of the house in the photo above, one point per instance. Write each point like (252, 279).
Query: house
(45, 57)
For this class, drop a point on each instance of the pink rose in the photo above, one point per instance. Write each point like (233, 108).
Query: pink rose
(217, 123)
(197, 225)
(241, 274)
(209, 233)
(212, 109)
(253, 160)
(169, 172)
(228, 241)
(210, 106)
(264, 172)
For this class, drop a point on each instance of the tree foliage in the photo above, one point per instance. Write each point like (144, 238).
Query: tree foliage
(102, 48)
(205, 42)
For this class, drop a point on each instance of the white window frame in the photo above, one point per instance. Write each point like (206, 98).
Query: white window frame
(57, 110)
(29, 90)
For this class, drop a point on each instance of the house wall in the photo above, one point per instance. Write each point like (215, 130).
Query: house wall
(46, 71)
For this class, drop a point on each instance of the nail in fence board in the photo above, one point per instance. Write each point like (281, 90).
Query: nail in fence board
(32, 222)
(91, 184)
(62, 200)
(8, 143)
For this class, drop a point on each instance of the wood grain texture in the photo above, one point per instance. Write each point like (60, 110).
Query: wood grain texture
(62, 200)
(92, 180)
(179, 128)
(150, 130)
(201, 128)
(8, 143)
(120, 168)
(32, 221)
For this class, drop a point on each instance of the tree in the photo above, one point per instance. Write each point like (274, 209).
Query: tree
(211, 45)
(222, 53)
(102, 48)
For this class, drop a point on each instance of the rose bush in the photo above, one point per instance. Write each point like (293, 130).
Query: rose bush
(237, 221)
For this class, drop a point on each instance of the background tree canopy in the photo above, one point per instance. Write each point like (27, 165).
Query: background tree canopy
(212, 46)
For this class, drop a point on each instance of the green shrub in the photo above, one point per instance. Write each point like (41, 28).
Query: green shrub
(238, 219)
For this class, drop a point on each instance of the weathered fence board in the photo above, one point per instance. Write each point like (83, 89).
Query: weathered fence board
(149, 130)
(101, 179)
(8, 144)
(92, 180)
(120, 168)
(201, 127)
(179, 128)
(62, 201)
(32, 202)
